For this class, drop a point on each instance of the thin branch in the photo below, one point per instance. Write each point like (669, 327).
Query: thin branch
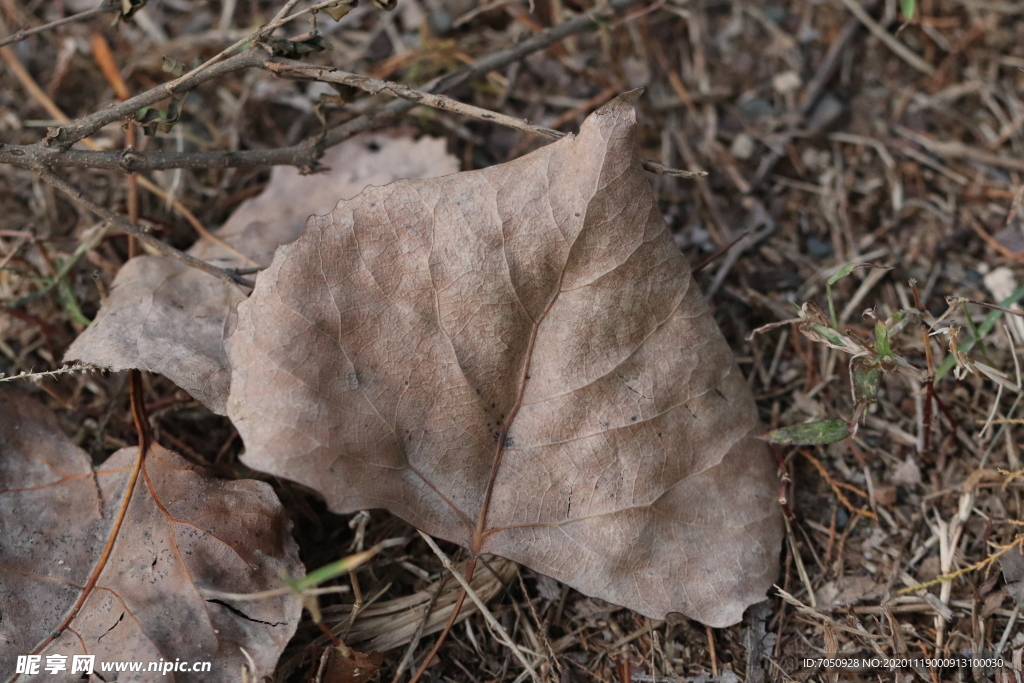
(294, 69)
(484, 65)
(87, 125)
(303, 155)
(901, 50)
(63, 370)
(21, 35)
(491, 621)
(255, 37)
(127, 226)
(131, 161)
(217, 65)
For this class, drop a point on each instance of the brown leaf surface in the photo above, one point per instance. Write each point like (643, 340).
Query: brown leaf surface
(168, 318)
(517, 359)
(184, 532)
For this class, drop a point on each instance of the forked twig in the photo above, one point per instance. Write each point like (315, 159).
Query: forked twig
(56, 150)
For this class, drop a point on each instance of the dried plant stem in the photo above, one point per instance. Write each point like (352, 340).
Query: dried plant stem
(56, 151)
(440, 638)
(102, 52)
(280, 19)
(293, 69)
(127, 226)
(87, 125)
(104, 8)
(981, 564)
(145, 440)
(491, 621)
(63, 370)
(901, 50)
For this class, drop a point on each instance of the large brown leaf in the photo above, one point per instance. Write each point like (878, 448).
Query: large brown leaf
(516, 359)
(169, 318)
(184, 532)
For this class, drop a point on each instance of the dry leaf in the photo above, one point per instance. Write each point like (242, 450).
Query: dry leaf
(168, 318)
(516, 359)
(184, 532)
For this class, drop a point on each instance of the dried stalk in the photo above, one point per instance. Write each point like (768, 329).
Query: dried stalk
(55, 150)
(76, 195)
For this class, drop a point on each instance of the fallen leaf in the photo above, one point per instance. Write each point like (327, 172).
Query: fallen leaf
(184, 532)
(517, 359)
(166, 317)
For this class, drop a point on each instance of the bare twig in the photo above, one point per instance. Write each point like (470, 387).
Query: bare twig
(303, 155)
(491, 621)
(901, 50)
(104, 8)
(329, 74)
(958, 150)
(63, 370)
(127, 226)
(87, 125)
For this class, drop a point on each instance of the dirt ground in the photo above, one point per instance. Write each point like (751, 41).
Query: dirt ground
(832, 133)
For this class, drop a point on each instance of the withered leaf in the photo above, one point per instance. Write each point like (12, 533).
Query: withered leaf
(168, 318)
(184, 532)
(516, 359)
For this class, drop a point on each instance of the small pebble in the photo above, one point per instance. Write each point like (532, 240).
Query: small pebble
(786, 82)
(742, 146)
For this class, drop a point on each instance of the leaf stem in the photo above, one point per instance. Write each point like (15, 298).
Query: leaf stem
(145, 440)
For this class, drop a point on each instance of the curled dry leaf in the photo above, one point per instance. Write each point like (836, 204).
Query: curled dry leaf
(184, 532)
(166, 317)
(517, 359)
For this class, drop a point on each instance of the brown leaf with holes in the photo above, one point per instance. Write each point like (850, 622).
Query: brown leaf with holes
(518, 360)
(169, 318)
(184, 532)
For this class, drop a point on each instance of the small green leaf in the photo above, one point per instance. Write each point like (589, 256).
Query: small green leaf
(828, 334)
(908, 7)
(809, 434)
(850, 267)
(882, 340)
(842, 272)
